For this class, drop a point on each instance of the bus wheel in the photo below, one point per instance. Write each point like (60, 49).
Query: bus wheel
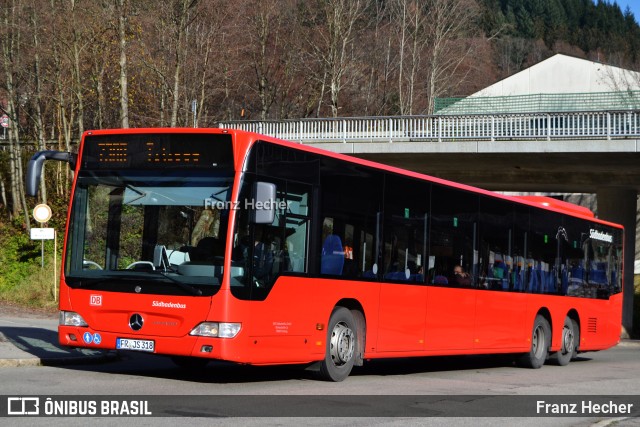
(540, 340)
(563, 356)
(341, 346)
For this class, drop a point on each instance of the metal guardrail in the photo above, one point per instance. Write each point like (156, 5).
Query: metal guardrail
(536, 126)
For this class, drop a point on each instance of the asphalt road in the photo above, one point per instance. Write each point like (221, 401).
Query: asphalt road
(425, 391)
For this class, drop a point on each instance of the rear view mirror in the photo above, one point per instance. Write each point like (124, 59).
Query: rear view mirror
(34, 167)
(263, 203)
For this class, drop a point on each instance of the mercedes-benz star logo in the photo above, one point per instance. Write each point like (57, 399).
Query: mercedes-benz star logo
(136, 322)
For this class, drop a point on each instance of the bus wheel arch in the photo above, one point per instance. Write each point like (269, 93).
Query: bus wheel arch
(540, 342)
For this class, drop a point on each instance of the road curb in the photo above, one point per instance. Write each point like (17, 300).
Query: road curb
(107, 356)
(15, 363)
(629, 343)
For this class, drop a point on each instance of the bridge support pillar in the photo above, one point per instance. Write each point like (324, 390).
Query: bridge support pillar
(620, 205)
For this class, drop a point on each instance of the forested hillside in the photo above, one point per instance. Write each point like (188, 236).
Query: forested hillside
(530, 30)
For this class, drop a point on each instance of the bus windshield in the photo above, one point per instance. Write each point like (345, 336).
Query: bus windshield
(148, 231)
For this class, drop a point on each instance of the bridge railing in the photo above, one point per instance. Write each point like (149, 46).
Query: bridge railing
(524, 126)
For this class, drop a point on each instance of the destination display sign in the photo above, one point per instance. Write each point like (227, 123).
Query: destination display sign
(157, 150)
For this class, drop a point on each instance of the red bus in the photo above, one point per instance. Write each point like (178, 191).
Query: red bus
(221, 244)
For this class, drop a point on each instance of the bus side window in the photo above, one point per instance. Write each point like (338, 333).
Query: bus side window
(291, 229)
(263, 252)
(453, 232)
(295, 249)
(405, 228)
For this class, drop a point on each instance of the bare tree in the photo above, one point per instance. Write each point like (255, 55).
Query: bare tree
(121, 14)
(204, 40)
(378, 47)
(96, 56)
(64, 118)
(433, 41)
(155, 57)
(269, 46)
(334, 45)
(121, 63)
(77, 75)
(265, 27)
(11, 55)
(450, 28)
(181, 20)
(512, 53)
(215, 19)
(39, 120)
(411, 20)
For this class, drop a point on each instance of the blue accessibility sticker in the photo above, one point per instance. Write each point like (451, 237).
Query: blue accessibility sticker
(87, 337)
(97, 339)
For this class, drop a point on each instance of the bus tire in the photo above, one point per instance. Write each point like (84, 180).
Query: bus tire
(342, 340)
(540, 341)
(563, 356)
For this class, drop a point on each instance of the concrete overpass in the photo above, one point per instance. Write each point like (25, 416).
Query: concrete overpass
(568, 152)
(555, 152)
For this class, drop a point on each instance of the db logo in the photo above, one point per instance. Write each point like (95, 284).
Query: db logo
(95, 300)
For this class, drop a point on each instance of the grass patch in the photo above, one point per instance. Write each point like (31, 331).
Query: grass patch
(35, 289)
(23, 280)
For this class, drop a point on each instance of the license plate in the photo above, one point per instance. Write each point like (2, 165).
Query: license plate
(139, 345)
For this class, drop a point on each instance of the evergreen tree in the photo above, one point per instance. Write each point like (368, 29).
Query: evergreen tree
(594, 26)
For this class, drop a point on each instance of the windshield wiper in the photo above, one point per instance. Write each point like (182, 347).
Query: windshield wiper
(140, 193)
(215, 195)
(191, 289)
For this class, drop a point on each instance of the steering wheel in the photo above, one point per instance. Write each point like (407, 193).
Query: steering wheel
(87, 263)
(147, 263)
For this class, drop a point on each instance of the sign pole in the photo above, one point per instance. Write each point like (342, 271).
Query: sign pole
(42, 214)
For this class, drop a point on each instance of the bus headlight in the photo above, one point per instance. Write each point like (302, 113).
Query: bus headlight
(216, 330)
(70, 318)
